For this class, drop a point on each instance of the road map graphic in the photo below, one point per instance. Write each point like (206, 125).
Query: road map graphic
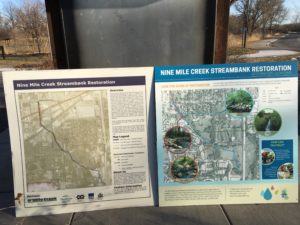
(204, 140)
(66, 139)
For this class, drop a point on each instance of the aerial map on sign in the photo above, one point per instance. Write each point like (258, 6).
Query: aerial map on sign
(209, 135)
(66, 139)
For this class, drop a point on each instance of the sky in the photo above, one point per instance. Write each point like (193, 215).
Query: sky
(293, 7)
(4, 2)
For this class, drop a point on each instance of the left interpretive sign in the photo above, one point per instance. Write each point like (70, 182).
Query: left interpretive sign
(79, 139)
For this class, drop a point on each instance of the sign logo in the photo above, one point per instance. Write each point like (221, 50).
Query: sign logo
(100, 196)
(80, 197)
(284, 194)
(91, 196)
(39, 199)
(266, 194)
(65, 199)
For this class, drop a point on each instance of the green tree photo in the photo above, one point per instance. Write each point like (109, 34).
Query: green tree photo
(239, 102)
(177, 138)
(268, 122)
(184, 168)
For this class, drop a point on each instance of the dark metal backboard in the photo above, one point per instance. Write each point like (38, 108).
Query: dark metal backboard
(118, 33)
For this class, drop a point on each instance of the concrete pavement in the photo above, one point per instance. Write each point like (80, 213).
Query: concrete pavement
(270, 53)
(270, 48)
(261, 44)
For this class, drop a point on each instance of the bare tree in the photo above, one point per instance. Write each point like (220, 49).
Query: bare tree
(260, 13)
(31, 19)
(1, 27)
(4, 31)
(272, 15)
(9, 16)
(235, 24)
(1, 22)
(251, 12)
(10, 10)
(296, 18)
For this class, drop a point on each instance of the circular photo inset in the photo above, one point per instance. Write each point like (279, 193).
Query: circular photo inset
(239, 102)
(267, 122)
(184, 169)
(285, 171)
(177, 139)
(267, 156)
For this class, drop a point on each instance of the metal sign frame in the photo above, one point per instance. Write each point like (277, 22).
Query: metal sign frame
(214, 53)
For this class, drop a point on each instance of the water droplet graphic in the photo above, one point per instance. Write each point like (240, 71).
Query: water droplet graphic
(267, 194)
(272, 188)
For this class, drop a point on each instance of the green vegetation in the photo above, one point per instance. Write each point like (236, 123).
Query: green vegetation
(239, 102)
(286, 171)
(184, 168)
(267, 120)
(177, 138)
(267, 157)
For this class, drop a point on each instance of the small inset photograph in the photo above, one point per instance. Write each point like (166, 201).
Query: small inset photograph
(267, 156)
(184, 169)
(285, 171)
(239, 102)
(177, 140)
(267, 122)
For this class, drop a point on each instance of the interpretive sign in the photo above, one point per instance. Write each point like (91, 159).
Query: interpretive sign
(227, 134)
(79, 139)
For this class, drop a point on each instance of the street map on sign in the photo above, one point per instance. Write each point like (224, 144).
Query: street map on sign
(200, 132)
(66, 139)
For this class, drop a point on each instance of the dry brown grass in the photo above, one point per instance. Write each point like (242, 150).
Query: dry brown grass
(22, 53)
(28, 62)
(236, 40)
(22, 46)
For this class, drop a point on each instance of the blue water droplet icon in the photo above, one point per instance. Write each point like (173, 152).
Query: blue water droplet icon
(268, 194)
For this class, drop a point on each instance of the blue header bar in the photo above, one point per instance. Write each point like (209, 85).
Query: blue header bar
(226, 71)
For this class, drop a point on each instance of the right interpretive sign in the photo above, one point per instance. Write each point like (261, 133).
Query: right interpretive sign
(227, 134)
